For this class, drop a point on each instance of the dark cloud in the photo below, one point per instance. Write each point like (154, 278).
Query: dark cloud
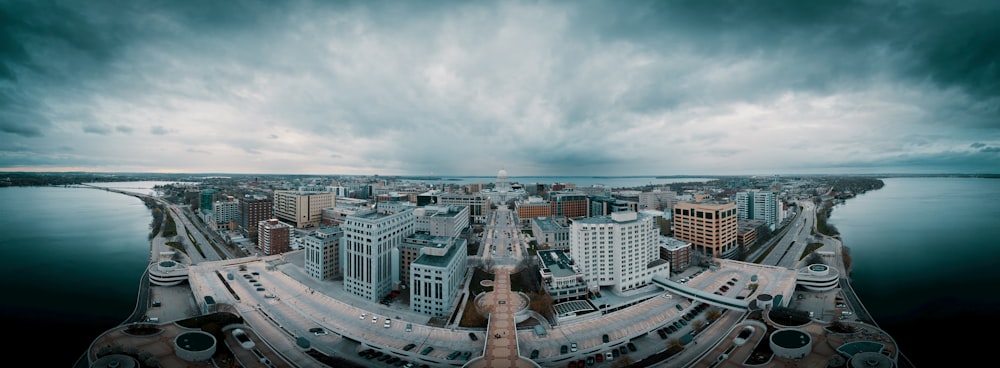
(554, 86)
(96, 129)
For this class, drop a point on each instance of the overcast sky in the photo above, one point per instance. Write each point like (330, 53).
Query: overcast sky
(470, 87)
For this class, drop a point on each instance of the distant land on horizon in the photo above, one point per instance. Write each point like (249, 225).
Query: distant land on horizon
(456, 177)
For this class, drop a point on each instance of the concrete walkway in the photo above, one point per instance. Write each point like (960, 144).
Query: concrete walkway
(501, 342)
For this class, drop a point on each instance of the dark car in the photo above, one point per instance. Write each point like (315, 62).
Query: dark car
(473, 336)
(426, 350)
(621, 351)
(631, 346)
(534, 354)
(409, 346)
(605, 338)
(563, 349)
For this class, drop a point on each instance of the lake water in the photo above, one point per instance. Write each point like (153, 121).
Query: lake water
(925, 255)
(73, 258)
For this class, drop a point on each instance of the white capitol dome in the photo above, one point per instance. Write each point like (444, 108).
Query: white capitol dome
(502, 174)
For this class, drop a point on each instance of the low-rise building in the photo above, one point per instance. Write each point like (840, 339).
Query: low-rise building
(560, 276)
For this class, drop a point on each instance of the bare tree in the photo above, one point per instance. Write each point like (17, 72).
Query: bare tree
(675, 344)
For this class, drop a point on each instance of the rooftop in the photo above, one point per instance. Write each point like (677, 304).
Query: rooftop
(547, 223)
(557, 262)
(442, 260)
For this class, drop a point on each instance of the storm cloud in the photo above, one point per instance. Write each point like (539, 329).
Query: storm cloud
(535, 87)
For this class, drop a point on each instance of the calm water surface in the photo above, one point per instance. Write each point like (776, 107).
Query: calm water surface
(73, 259)
(926, 255)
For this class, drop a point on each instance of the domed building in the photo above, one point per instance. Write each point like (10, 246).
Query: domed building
(502, 190)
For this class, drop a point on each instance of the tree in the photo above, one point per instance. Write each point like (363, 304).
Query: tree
(712, 314)
(675, 344)
(541, 302)
(698, 324)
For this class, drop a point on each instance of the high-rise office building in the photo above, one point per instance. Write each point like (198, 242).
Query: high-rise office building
(569, 204)
(253, 210)
(273, 237)
(371, 264)
(207, 198)
(301, 209)
(227, 213)
(437, 272)
(530, 208)
(759, 205)
(322, 253)
(709, 226)
(479, 205)
(620, 250)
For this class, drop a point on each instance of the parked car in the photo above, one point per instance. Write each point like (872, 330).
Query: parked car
(473, 336)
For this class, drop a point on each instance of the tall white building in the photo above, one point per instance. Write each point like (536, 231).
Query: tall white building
(759, 205)
(435, 276)
(227, 211)
(620, 251)
(322, 253)
(371, 264)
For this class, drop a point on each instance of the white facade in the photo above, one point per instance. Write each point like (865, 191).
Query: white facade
(445, 220)
(322, 253)
(550, 234)
(758, 205)
(370, 241)
(479, 205)
(226, 211)
(620, 250)
(436, 277)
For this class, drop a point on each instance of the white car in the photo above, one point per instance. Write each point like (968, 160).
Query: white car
(387, 323)
(243, 339)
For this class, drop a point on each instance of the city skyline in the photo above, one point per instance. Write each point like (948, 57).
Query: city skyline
(539, 88)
